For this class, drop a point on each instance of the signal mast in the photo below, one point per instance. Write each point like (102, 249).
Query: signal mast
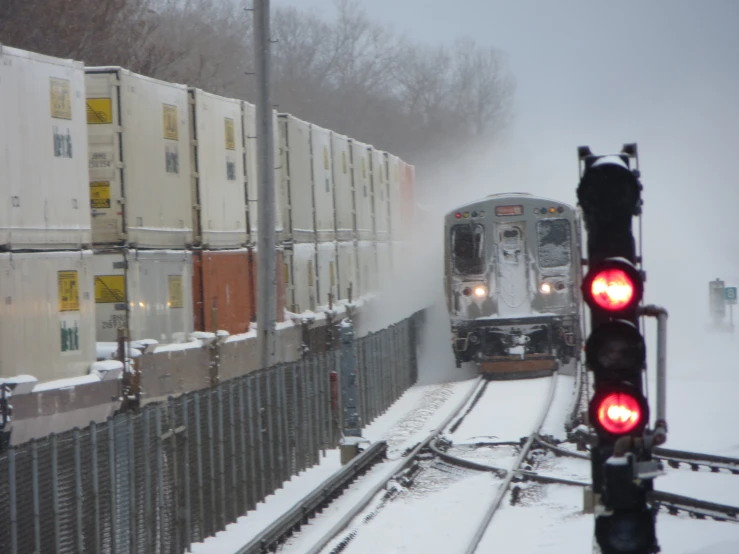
(623, 470)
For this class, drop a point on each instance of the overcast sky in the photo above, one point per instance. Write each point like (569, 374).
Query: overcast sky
(662, 73)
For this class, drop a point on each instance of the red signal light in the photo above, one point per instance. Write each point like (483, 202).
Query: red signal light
(612, 289)
(619, 413)
(458, 215)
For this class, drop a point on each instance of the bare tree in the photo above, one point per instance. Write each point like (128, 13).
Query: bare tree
(347, 73)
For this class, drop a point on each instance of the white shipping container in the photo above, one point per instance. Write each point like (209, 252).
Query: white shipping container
(327, 282)
(323, 186)
(47, 316)
(139, 160)
(347, 270)
(380, 194)
(362, 190)
(219, 219)
(384, 264)
(366, 268)
(301, 286)
(393, 171)
(252, 177)
(295, 190)
(43, 152)
(343, 188)
(157, 284)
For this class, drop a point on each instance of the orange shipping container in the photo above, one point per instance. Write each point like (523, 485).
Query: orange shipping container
(223, 290)
(280, 309)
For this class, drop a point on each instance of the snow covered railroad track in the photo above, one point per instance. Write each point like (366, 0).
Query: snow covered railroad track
(401, 472)
(533, 432)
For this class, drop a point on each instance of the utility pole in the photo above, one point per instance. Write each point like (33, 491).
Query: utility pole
(266, 244)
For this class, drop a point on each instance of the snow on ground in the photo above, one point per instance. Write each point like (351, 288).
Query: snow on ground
(444, 503)
(410, 419)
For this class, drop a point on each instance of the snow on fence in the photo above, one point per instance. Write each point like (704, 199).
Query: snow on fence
(179, 471)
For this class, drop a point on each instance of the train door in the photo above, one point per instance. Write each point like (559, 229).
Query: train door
(512, 270)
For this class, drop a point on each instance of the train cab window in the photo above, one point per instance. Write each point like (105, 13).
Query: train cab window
(468, 253)
(554, 242)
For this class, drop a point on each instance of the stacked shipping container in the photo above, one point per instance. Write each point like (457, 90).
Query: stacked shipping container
(47, 321)
(171, 177)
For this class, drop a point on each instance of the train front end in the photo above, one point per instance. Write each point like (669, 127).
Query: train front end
(512, 278)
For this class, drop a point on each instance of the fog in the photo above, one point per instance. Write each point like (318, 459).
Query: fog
(662, 74)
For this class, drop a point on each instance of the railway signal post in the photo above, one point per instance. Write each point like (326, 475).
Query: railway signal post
(609, 194)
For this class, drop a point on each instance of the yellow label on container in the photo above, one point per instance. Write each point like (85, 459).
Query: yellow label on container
(61, 98)
(325, 158)
(170, 122)
(100, 194)
(175, 291)
(230, 135)
(110, 289)
(310, 273)
(286, 270)
(332, 274)
(343, 160)
(99, 111)
(69, 291)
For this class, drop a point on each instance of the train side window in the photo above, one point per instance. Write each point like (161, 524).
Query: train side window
(554, 242)
(468, 252)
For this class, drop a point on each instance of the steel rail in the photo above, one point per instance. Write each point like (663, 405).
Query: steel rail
(394, 472)
(290, 521)
(503, 489)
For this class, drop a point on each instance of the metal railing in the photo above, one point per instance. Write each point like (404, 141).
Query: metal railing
(179, 471)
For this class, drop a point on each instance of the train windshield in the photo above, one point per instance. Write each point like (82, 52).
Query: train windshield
(468, 253)
(554, 242)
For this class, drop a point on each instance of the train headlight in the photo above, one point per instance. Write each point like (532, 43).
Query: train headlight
(545, 288)
(480, 291)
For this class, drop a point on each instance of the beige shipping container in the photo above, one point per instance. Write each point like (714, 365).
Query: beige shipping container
(139, 160)
(343, 187)
(323, 185)
(367, 282)
(380, 192)
(295, 190)
(43, 152)
(156, 285)
(219, 214)
(346, 257)
(47, 316)
(252, 177)
(363, 207)
(301, 279)
(392, 164)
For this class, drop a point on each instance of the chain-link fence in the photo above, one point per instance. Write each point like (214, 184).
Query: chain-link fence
(177, 472)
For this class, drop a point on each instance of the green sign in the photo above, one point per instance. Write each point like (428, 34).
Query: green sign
(730, 295)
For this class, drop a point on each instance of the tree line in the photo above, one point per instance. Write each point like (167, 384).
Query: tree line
(345, 72)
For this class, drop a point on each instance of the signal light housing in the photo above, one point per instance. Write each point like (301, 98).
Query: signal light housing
(618, 411)
(615, 350)
(613, 287)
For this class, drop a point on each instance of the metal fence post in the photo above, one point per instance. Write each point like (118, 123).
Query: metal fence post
(186, 457)
(255, 442)
(148, 516)
(234, 488)
(263, 480)
(199, 450)
(267, 409)
(95, 483)
(281, 416)
(111, 474)
(160, 477)
(212, 458)
(242, 435)
(221, 460)
(55, 489)
(133, 528)
(12, 499)
(172, 434)
(35, 489)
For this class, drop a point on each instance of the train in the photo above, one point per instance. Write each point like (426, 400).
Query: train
(133, 204)
(512, 274)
